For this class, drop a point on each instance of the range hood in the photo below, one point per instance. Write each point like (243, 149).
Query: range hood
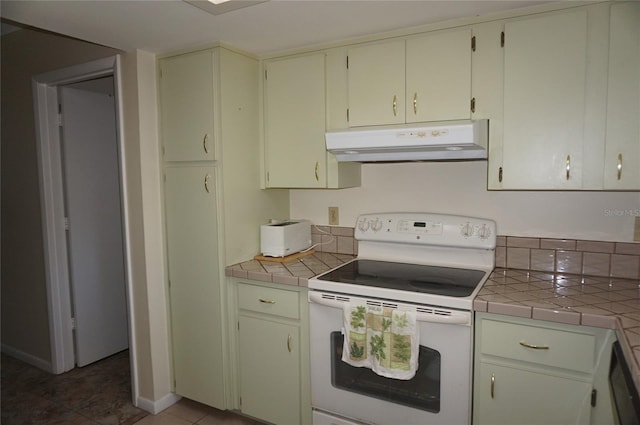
(446, 140)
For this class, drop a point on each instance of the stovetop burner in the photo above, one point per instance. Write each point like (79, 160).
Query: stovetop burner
(448, 281)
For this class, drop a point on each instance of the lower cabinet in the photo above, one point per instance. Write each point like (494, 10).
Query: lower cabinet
(272, 352)
(518, 396)
(536, 372)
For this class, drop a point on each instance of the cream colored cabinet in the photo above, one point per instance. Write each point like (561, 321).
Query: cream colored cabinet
(543, 400)
(571, 103)
(377, 84)
(438, 72)
(204, 229)
(294, 116)
(186, 107)
(294, 127)
(272, 353)
(193, 266)
(421, 78)
(535, 372)
(622, 146)
(545, 75)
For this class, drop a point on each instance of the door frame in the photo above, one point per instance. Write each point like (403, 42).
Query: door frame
(45, 97)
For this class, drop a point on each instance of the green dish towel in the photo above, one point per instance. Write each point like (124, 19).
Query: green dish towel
(381, 338)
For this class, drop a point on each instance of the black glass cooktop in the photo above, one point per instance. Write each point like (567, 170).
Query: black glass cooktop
(437, 280)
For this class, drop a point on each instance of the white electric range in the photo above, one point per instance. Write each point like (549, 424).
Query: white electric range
(434, 263)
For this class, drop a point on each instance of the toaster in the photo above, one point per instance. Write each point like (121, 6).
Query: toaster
(285, 238)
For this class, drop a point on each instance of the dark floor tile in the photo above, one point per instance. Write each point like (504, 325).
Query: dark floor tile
(97, 394)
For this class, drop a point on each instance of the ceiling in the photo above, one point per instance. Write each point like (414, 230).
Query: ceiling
(161, 26)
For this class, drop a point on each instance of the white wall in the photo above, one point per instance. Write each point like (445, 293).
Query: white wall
(460, 188)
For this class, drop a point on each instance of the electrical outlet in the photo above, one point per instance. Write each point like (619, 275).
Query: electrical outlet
(636, 229)
(334, 219)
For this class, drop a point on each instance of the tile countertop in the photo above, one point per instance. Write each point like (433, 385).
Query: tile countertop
(603, 302)
(296, 272)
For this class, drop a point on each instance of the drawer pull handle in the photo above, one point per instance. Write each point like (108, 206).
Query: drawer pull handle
(262, 300)
(535, 347)
(204, 143)
(493, 384)
(568, 167)
(289, 343)
(395, 105)
(316, 171)
(415, 103)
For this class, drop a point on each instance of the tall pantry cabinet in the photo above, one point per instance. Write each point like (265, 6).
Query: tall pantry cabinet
(213, 205)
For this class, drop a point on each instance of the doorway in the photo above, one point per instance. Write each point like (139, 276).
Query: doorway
(75, 209)
(93, 218)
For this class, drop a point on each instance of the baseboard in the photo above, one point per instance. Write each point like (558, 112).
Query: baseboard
(155, 407)
(28, 358)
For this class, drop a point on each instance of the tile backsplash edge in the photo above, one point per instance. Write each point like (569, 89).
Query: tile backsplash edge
(575, 256)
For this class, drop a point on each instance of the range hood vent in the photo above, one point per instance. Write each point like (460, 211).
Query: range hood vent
(447, 140)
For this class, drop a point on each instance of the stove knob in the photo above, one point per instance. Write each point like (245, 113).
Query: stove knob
(376, 225)
(466, 230)
(363, 225)
(484, 232)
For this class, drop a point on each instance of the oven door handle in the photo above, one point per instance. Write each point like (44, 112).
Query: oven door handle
(452, 317)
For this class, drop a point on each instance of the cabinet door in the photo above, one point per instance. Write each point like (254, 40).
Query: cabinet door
(622, 148)
(377, 84)
(510, 396)
(439, 77)
(269, 370)
(186, 99)
(194, 288)
(545, 65)
(295, 122)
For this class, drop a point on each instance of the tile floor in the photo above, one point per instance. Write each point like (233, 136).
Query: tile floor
(98, 394)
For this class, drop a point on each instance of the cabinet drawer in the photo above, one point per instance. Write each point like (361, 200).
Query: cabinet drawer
(268, 300)
(564, 349)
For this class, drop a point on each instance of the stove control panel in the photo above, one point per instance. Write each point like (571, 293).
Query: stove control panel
(427, 229)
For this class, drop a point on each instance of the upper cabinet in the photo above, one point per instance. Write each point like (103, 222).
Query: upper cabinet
(622, 149)
(186, 99)
(421, 78)
(545, 67)
(438, 73)
(294, 127)
(571, 101)
(559, 85)
(376, 84)
(294, 116)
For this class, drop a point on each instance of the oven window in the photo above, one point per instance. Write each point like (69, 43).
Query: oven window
(420, 392)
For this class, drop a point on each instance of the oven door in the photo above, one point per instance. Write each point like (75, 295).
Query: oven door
(440, 393)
